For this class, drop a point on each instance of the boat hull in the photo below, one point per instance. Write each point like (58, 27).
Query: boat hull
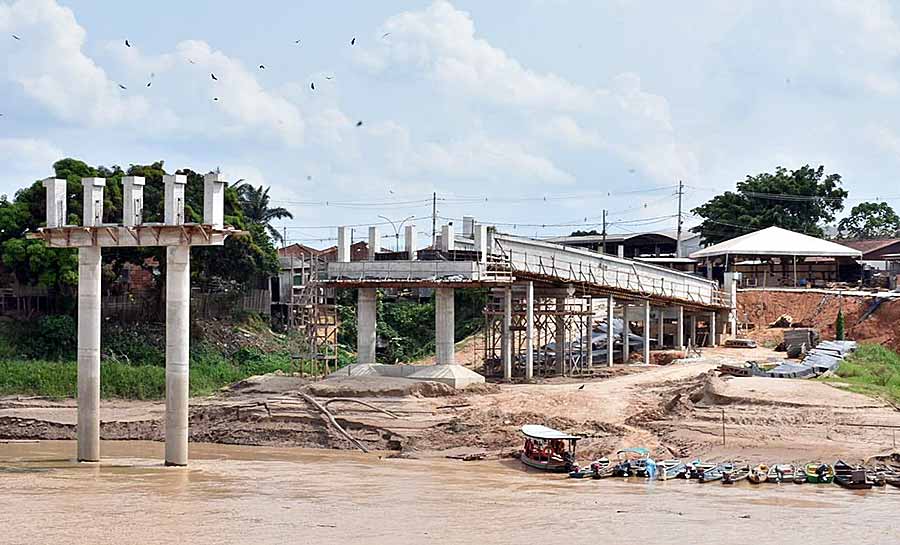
(551, 466)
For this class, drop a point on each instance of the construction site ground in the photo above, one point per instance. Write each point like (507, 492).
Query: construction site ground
(675, 410)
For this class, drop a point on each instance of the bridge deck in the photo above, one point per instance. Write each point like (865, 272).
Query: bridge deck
(516, 258)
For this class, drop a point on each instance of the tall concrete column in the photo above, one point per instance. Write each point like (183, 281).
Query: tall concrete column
(365, 325)
(626, 332)
(529, 331)
(178, 311)
(89, 354)
(661, 342)
(610, 337)
(444, 326)
(647, 332)
(560, 330)
(505, 348)
(679, 329)
(713, 329)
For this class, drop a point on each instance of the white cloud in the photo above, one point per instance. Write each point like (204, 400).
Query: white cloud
(25, 160)
(440, 42)
(50, 66)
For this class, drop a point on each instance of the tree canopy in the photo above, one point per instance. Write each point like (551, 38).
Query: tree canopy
(799, 200)
(870, 220)
(242, 260)
(255, 204)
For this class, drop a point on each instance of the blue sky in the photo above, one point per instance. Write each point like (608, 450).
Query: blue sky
(525, 113)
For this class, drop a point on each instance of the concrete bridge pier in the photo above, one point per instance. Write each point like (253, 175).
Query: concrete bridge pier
(679, 328)
(365, 325)
(646, 332)
(692, 338)
(445, 368)
(89, 273)
(178, 309)
(661, 318)
(610, 336)
(713, 330)
(444, 326)
(626, 333)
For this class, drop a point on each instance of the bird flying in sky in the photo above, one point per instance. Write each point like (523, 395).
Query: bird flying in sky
(16, 37)
(312, 86)
(213, 76)
(353, 41)
(122, 87)
(359, 123)
(262, 67)
(127, 44)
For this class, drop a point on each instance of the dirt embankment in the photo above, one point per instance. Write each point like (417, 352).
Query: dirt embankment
(868, 319)
(674, 410)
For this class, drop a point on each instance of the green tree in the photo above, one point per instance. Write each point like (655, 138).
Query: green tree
(255, 204)
(839, 326)
(243, 260)
(799, 200)
(870, 220)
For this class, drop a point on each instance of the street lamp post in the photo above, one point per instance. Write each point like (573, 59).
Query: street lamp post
(397, 228)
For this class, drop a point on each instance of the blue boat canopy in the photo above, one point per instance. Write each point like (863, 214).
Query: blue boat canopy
(635, 450)
(544, 433)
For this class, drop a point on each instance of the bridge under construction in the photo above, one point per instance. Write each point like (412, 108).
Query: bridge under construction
(552, 309)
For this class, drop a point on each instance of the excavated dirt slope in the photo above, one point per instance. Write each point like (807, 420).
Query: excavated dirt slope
(819, 310)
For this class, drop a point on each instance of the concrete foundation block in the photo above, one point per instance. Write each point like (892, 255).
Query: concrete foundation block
(453, 375)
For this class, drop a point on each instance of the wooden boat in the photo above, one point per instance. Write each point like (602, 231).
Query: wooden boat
(780, 473)
(601, 468)
(851, 477)
(715, 474)
(671, 469)
(632, 462)
(758, 474)
(696, 467)
(819, 473)
(799, 477)
(736, 475)
(548, 449)
(593, 470)
(892, 479)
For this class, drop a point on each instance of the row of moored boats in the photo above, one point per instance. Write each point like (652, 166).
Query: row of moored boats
(552, 450)
(636, 463)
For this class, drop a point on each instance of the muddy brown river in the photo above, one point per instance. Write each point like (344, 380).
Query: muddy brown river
(235, 494)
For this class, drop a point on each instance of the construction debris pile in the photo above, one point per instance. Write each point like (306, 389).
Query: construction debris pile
(823, 357)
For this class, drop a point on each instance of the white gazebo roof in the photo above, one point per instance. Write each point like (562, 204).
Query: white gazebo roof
(777, 241)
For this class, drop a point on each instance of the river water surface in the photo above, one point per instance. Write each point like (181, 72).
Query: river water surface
(233, 494)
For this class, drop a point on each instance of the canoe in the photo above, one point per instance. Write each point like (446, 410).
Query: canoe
(632, 462)
(715, 474)
(759, 474)
(695, 468)
(736, 475)
(593, 470)
(851, 477)
(819, 473)
(779, 473)
(799, 477)
(671, 469)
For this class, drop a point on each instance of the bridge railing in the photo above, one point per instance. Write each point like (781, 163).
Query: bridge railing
(578, 265)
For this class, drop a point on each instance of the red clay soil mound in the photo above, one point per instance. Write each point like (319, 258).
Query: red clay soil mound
(818, 310)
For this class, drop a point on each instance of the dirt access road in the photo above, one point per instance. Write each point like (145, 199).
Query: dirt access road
(675, 410)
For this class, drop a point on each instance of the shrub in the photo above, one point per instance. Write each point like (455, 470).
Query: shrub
(50, 338)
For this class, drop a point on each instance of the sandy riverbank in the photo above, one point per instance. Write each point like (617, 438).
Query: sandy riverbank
(675, 410)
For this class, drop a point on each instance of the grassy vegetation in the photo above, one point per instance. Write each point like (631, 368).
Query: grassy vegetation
(872, 370)
(38, 358)
(209, 371)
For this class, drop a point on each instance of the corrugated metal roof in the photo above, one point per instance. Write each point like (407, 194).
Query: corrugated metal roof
(777, 241)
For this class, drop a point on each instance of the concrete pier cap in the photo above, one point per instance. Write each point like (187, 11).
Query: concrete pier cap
(133, 200)
(56, 201)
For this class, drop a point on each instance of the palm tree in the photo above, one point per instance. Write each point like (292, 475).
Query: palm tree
(255, 204)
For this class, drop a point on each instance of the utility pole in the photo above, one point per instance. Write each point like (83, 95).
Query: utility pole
(434, 219)
(603, 247)
(678, 236)
(284, 237)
